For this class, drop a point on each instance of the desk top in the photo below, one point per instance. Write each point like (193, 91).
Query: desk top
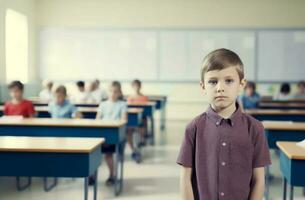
(63, 122)
(292, 150)
(274, 112)
(49, 144)
(281, 104)
(150, 103)
(284, 125)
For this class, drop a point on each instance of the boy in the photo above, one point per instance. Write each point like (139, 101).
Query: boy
(112, 109)
(250, 98)
(137, 96)
(61, 107)
(18, 105)
(301, 90)
(224, 151)
(81, 96)
(46, 93)
(96, 94)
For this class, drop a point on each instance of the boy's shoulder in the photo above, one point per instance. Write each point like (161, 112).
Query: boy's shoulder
(253, 124)
(199, 120)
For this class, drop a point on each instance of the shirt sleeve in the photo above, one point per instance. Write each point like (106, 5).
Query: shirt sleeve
(124, 107)
(261, 157)
(187, 150)
(73, 110)
(5, 109)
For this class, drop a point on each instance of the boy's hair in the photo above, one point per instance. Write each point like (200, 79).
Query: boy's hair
(301, 83)
(285, 88)
(137, 82)
(61, 90)
(221, 59)
(16, 84)
(80, 84)
(251, 84)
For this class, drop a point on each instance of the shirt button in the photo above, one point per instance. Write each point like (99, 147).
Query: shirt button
(222, 194)
(224, 144)
(217, 123)
(223, 163)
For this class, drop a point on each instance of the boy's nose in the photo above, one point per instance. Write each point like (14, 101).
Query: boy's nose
(220, 87)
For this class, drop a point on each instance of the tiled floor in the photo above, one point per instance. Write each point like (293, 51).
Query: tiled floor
(156, 178)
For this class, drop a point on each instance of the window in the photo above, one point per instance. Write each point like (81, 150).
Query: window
(16, 46)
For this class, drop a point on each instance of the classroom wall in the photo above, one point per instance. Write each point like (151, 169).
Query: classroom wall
(28, 8)
(185, 99)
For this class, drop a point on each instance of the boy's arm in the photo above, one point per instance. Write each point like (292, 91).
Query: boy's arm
(186, 184)
(257, 184)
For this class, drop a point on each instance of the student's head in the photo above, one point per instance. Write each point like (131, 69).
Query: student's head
(250, 88)
(136, 85)
(80, 85)
(285, 88)
(97, 82)
(115, 91)
(301, 87)
(92, 86)
(222, 77)
(16, 90)
(60, 94)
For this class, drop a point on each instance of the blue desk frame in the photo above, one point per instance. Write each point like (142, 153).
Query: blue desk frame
(50, 164)
(112, 135)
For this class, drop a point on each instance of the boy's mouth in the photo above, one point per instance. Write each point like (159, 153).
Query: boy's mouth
(220, 97)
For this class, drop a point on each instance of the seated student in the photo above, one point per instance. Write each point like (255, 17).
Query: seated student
(60, 107)
(284, 93)
(250, 98)
(81, 96)
(18, 105)
(96, 94)
(301, 91)
(137, 96)
(46, 93)
(112, 109)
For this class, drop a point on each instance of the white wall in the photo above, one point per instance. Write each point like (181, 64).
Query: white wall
(28, 8)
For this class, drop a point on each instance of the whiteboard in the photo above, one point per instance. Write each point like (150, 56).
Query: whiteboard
(68, 54)
(281, 55)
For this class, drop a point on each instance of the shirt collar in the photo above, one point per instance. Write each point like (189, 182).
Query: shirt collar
(217, 119)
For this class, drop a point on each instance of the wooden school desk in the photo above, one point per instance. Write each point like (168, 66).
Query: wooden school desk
(51, 157)
(148, 113)
(112, 131)
(161, 101)
(292, 164)
(281, 131)
(282, 105)
(277, 115)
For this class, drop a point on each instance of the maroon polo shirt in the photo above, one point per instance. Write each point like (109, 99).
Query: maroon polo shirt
(222, 153)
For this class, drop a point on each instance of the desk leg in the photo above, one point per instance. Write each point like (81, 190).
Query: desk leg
(119, 166)
(163, 116)
(47, 187)
(267, 182)
(86, 188)
(152, 139)
(291, 193)
(136, 144)
(25, 186)
(95, 185)
(284, 188)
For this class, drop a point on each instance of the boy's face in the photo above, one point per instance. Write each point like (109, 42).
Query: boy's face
(59, 98)
(301, 88)
(81, 89)
(16, 93)
(222, 87)
(135, 87)
(114, 93)
(249, 91)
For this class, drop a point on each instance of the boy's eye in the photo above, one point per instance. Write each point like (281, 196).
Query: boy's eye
(212, 82)
(229, 81)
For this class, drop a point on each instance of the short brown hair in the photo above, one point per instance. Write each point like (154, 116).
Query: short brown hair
(61, 90)
(16, 84)
(221, 59)
(137, 82)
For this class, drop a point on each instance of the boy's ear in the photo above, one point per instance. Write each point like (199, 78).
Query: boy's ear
(243, 83)
(202, 85)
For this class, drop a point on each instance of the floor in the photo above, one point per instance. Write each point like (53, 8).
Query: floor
(157, 177)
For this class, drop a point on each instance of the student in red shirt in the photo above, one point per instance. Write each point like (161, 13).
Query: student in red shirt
(18, 105)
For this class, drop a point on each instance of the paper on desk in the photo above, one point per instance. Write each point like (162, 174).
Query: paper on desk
(12, 118)
(301, 144)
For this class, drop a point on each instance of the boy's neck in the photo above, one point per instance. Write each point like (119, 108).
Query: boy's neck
(225, 112)
(16, 101)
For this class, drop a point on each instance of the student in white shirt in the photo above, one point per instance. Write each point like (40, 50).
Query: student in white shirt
(284, 93)
(81, 96)
(47, 93)
(97, 94)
